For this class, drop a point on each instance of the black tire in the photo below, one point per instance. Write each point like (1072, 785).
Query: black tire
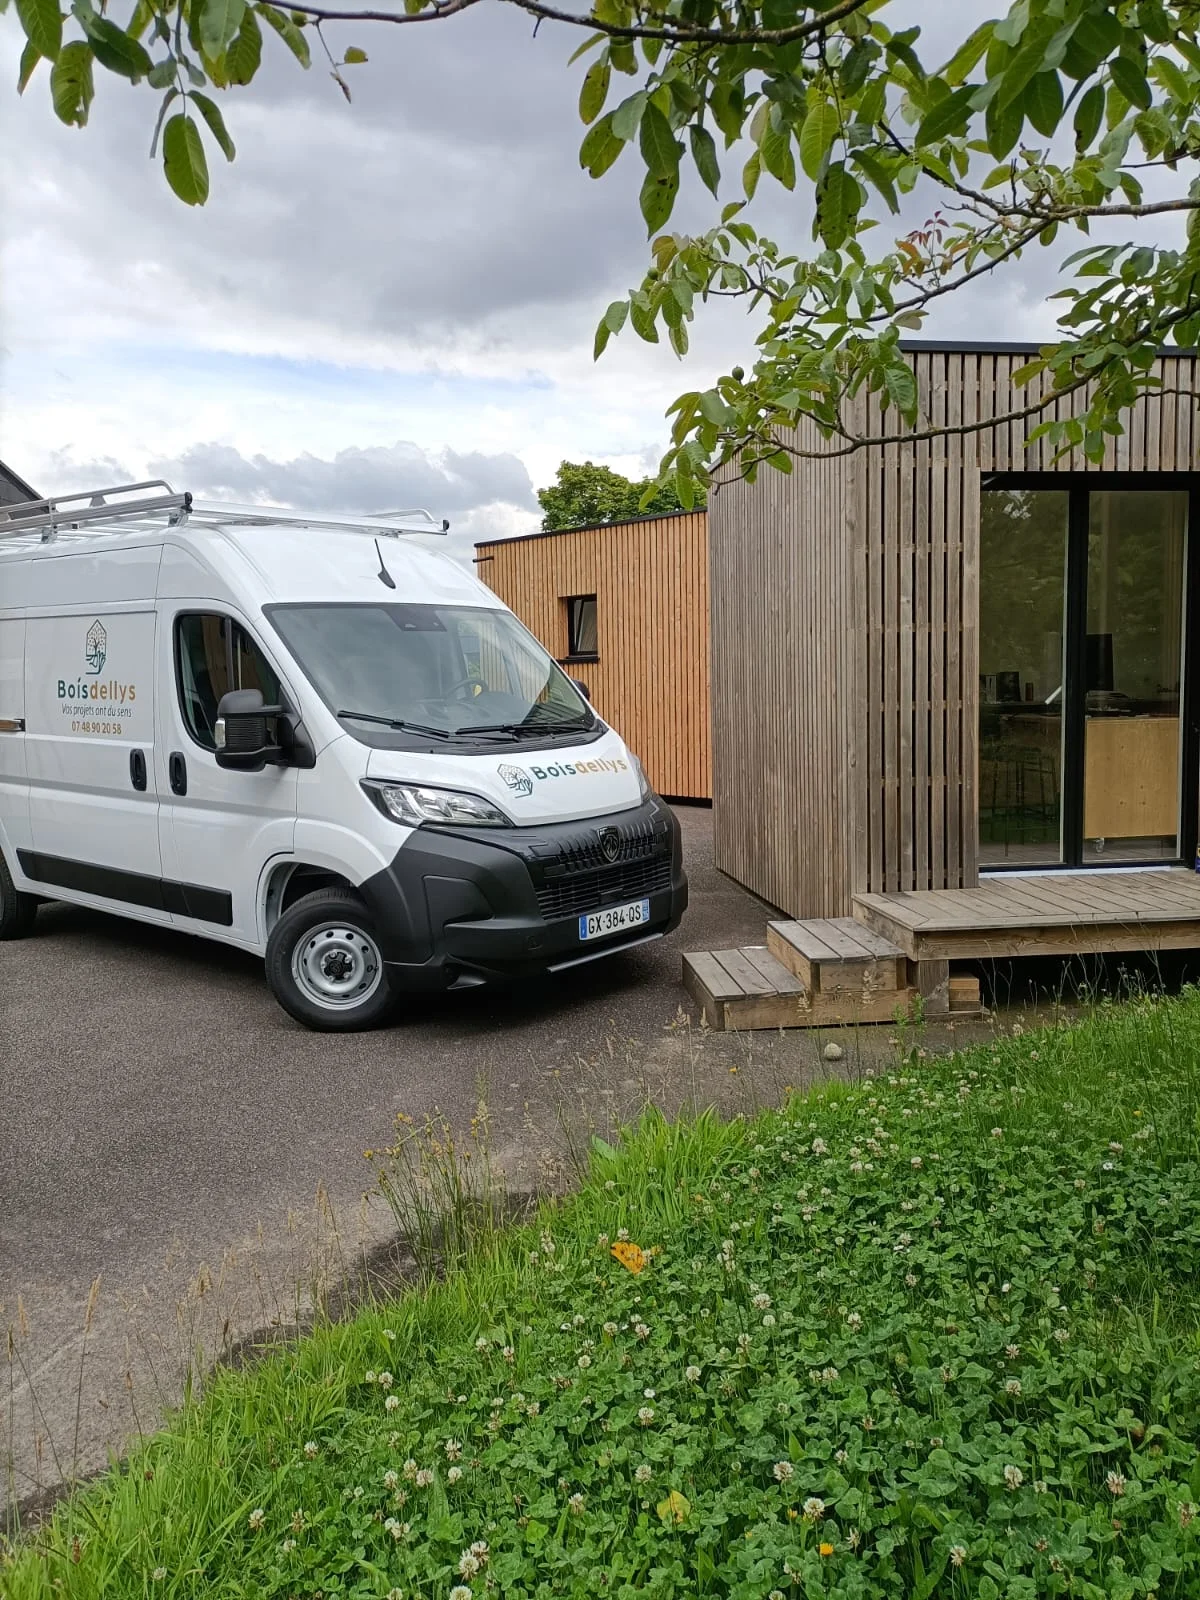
(17, 910)
(324, 965)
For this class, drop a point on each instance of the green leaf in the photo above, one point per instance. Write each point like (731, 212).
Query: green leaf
(211, 113)
(968, 54)
(1003, 127)
(601, 341)
(219, 24)
(838, 200)
(71, 84)
(1131, 81)
(43, 23)
(287, 31)
(901, 387)
(162, 73)
(354, 57)
(628, 115)
(614, 317)
(1096, 35)
(29, 60)
(948, 118)
(657, 199)
(751, 173)
(869, 163)
(1042, 102)
(821, 126)
(245, 53)
(168, 98)
(112, 46)
(594, 91)
(1089, 114)
(776, 152)
(704, 154)
(660, 149)
(600, 148)
(184, 161)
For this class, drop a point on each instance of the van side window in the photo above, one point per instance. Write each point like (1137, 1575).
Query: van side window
(213, 655)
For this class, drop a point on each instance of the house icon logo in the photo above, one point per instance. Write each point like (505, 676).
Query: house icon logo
(517, 779)
(96, 649)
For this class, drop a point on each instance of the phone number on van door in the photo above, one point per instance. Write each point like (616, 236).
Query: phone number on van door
(97, 727)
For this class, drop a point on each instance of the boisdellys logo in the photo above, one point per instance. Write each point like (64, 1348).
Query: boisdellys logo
(581, 769)
(95, 654)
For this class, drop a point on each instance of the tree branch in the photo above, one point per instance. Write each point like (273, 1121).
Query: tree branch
(679, 34)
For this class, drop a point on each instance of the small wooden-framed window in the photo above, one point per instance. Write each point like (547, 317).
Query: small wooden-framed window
(582, 636)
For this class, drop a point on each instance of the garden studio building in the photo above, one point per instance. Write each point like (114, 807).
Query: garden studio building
(941, 662)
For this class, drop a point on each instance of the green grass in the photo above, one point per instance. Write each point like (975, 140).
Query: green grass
(935, 1334)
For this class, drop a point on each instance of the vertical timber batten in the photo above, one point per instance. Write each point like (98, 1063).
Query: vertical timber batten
(845, 631)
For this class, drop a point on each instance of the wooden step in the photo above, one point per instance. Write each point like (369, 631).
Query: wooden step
(749, 988)
(964, 995)
(838, 956)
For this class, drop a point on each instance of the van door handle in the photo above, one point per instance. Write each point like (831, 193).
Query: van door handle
(137, 768)
(177, 772)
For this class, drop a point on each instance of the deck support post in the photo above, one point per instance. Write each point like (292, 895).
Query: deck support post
(931, 980)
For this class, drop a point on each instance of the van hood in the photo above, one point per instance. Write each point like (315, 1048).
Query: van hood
(529, 785)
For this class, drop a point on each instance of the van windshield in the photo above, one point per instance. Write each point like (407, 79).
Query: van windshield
(432, 673)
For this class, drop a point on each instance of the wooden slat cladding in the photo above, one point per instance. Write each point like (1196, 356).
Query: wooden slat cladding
(853, 587)
(650, 579)
(784, 664)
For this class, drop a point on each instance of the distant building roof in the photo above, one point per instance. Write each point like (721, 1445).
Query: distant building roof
(14, 489)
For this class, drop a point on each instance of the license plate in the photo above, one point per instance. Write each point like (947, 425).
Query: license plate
(617, 919)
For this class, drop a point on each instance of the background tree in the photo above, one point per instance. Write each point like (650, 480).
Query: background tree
(584, 493)
(1056, 117)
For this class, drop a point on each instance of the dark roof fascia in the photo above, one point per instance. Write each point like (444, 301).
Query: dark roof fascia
(986, 347)
(18, 482)
(589, 527)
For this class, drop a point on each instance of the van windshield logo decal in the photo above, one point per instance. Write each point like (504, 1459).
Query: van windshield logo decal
(517, 779)
(96, 648)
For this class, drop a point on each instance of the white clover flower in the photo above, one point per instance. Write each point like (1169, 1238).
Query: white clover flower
(1115, 1484)
(819, 1147)
(841, 1457)
(1013, 1477)
(854, 1321)
(395, 1594)
(575, 1505)
(783, 1471)
(481, 1344)
(584, 1362)
(453, 1449)
(158, 1574)
(957, 1555)
(610, 1328)
(299, 1522)
(642, 1331)
(480, 1550)
(1013, 1386)
(392, 1403)
(643, 1474)
(468, 1565)
(532, 1409)
(288, 1546)
(692, 1374)
(385, 1380)
(460, 1592)
(743, 1342)
(1061, 1335)
(310, 1451)
(453, 1474)
(390, 1479)
(813, 1508)
(1006, 1288)
(1012, 1351)
(1106, 1166)
(368, 1376)
(916, 1162)
(508, 1353)
(424, 1477)
(648, 1394)
(410, 1469)
(997, 1133)
(645, 1415)
(623, 1235)
(1040, 1486)
(1116, 1147)
(256, 1519)
(910, 1279)
(769, 1320)
(761, 1302)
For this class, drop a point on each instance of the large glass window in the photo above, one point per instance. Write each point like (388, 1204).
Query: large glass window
(214, 655)
(441, 672)
(1022, 571)
(1081, 658)
(1134, 665)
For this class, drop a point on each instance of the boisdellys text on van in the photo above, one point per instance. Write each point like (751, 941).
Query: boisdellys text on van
(313, 738)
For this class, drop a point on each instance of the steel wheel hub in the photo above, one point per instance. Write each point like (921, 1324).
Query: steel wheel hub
(337, 966)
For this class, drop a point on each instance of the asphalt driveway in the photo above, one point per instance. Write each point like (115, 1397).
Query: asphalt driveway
(167, 1130)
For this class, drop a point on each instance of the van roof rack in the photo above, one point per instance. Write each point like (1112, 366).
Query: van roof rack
(130, 502)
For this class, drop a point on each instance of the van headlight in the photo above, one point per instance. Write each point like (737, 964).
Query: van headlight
(644, 789)
(415, 803)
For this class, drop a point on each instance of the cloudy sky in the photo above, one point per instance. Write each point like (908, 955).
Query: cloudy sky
(389, 302)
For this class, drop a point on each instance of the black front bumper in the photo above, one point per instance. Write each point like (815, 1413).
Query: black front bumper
(460, 907)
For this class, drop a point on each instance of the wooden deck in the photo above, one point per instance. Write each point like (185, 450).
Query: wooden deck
(1063, 914)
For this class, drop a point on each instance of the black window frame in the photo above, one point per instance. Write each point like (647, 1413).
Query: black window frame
(574, 628)
(1078, 486)
(177, 654)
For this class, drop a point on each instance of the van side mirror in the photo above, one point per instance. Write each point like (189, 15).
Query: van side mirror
(241, 731)
(583, 688)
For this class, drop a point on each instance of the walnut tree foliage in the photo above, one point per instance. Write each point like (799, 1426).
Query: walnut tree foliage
(583, 493)
(1055, 116)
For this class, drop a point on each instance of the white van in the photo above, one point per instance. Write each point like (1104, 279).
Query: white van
(312, 738)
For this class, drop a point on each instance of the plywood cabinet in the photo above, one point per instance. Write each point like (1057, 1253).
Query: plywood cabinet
(1131, 778)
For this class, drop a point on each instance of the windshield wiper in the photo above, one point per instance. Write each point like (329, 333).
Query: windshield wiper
(399, 723)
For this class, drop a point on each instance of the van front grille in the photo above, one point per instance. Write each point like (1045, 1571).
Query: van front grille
(589, 891)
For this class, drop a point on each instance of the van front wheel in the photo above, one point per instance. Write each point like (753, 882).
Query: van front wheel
(324, 965)
(17, 910)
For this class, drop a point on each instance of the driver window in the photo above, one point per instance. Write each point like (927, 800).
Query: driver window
(215, 654)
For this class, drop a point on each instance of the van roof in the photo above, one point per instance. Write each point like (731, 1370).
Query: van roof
(278, 553)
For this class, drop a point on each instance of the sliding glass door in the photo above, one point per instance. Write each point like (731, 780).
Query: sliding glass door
(1083, 744)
